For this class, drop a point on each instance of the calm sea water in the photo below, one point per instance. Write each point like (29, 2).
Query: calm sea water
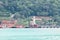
(30, 34)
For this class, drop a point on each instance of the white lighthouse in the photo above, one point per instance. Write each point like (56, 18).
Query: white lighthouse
(34, 20)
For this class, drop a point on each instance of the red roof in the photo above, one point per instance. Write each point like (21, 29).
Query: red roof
(42, 17)
(0, 26)
(9, 23)
(19, 26)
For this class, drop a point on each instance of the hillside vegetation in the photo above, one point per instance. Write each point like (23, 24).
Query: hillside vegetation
(24, 9)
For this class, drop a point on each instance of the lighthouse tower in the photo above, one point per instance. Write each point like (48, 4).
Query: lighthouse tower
(34, 20)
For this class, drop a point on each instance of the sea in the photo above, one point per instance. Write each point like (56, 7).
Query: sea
(29, 33)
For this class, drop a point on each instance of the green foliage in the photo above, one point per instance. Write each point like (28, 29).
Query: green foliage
(27, 8)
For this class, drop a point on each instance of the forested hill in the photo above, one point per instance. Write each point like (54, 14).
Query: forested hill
(31, 7)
